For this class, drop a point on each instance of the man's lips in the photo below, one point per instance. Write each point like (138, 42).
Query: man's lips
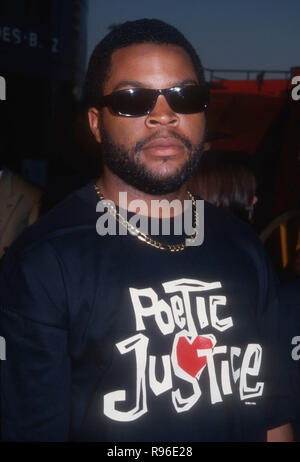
(164, 142)
(169, 146)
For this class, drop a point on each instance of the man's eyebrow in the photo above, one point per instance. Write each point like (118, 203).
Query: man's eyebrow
(137, 84)
(185, 82)
(128, 83)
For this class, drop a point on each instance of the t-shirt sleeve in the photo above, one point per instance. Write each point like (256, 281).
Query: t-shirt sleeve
(279, 410)
(35, 374)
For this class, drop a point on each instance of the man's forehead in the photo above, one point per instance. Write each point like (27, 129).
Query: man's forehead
(148, 64)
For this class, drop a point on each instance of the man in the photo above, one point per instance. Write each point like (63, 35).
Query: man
(130, 337)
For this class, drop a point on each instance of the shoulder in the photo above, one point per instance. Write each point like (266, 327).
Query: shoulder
(228, 228)
(236, 241)
(74, 214)
(33, 274)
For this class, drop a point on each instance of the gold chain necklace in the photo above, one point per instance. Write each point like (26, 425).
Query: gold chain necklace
(144, 237)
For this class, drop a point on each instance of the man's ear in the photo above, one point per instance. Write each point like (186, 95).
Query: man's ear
(94, 121)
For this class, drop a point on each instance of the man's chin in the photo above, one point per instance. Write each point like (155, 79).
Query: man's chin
(165, 168)
(163, 175)
(157, 184)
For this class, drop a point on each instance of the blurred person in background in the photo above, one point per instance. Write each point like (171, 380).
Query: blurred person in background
(226, 179)
(19, 199)
(19, 206)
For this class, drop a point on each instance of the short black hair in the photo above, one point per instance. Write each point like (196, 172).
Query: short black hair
(123, 35)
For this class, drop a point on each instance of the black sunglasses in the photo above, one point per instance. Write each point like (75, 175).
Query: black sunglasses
(137, 102)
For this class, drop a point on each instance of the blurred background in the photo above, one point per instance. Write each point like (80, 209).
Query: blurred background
(250, 51)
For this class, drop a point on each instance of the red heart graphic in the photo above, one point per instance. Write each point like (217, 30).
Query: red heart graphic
(187, 356)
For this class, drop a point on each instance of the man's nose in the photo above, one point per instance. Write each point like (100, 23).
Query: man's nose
(162, 114)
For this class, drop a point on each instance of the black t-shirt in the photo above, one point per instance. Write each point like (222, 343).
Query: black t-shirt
(111, 339)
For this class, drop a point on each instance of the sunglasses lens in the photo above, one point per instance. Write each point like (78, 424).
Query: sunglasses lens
(132, 103)
(190, 99)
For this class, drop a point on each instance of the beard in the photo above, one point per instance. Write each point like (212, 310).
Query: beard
(127, 165)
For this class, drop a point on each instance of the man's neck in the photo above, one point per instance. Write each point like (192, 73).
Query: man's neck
(122, 194)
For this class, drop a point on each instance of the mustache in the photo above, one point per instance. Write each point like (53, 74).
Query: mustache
(141, 143)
